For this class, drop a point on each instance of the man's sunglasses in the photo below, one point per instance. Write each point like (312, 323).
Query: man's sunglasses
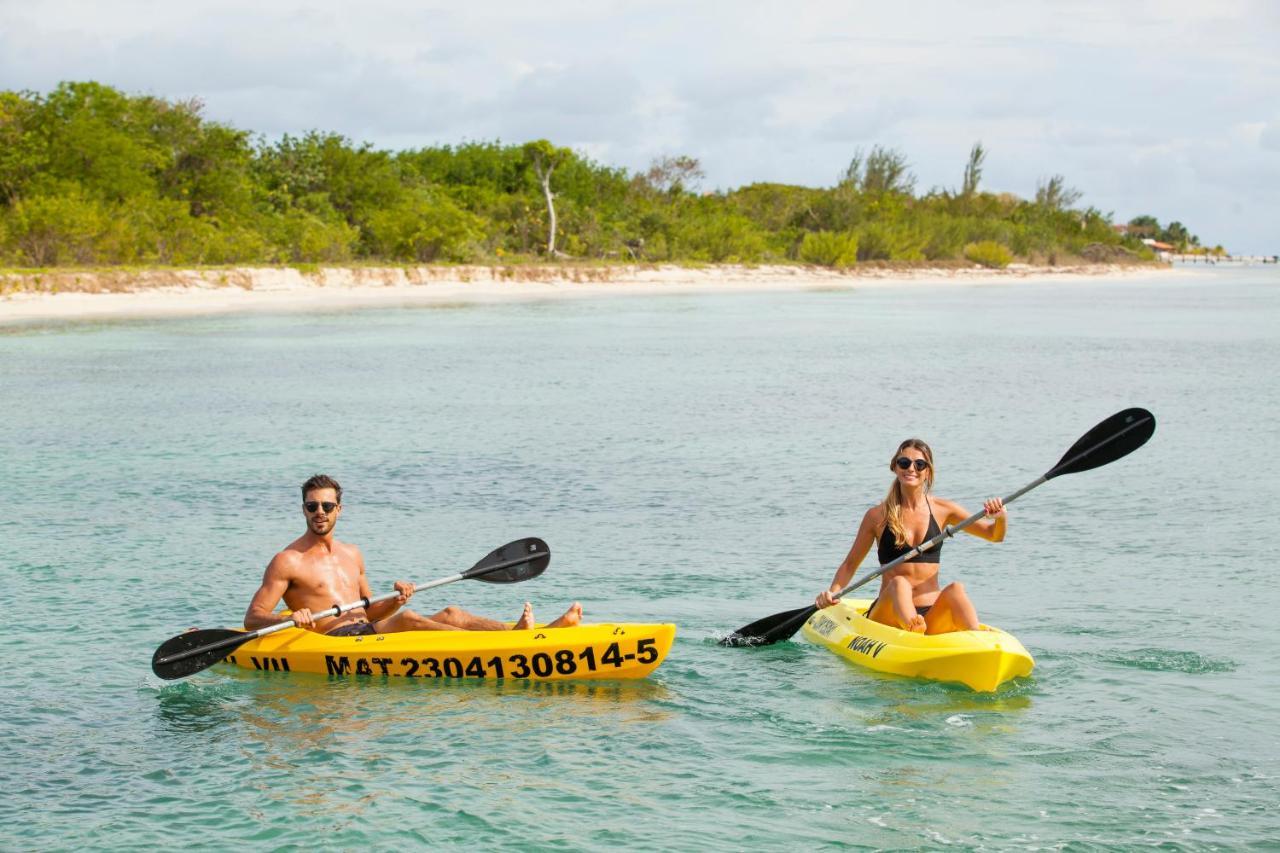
(904, 463)
(312, 506)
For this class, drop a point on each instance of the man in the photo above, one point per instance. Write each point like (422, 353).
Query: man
(316, 571)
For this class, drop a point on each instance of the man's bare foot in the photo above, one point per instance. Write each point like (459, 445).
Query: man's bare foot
(525, 622)
(916, 624)
(571, 617)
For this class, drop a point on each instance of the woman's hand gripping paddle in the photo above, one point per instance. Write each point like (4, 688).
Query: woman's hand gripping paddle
(1114, 438)
(193, 651)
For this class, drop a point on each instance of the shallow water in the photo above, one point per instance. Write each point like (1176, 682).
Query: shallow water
(695, 459)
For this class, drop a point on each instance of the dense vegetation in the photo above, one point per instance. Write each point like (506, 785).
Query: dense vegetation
(1174, 234)
(92, 176)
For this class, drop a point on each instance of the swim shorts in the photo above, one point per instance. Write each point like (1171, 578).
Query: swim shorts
(352, 629)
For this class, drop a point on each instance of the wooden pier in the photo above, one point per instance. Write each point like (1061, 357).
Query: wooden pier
(1219, 259)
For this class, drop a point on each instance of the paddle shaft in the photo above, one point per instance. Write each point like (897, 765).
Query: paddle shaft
(338, 610)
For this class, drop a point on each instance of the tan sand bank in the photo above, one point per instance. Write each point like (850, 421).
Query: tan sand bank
(104, 294)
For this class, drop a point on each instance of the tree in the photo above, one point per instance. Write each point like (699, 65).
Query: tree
(20, 153)
(100, 138)
(1054, 193)
(1176, 233)
(973, 171)
(206, 164)
(1144, 226)
(674, 175)
(887, 172)
(882, 171)
(545, 157)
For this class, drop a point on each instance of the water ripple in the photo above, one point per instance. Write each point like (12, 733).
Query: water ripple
(702, 460)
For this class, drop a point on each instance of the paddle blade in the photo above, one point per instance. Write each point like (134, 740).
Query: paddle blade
(770, 629)
(1117, 436)
(514, 562)
(174, 659)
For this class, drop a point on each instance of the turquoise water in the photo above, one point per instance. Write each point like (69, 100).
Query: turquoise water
(695, 459)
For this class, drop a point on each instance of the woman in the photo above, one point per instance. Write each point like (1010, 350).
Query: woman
(909, 595)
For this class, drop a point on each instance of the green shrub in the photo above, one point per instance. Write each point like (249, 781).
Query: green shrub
(306, 237)
(988, 253)
(161, 231)
(829, 249)
(890, 241)
(946, 238)
(424, 228)
(717, 237)
(49, 230)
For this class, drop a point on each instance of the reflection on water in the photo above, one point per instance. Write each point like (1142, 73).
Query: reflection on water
(343, 742)
(303, 707)
(896, 707)
(703, 460)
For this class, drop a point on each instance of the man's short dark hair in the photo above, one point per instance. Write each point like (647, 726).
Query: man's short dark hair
(321, 481)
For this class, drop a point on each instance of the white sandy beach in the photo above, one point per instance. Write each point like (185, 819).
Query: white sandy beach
(66, 296)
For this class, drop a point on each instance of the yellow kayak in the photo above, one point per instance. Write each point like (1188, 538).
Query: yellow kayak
(983, 660)
(608, 650)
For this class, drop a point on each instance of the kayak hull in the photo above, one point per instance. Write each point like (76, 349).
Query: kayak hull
(607, 650)
(981, 660)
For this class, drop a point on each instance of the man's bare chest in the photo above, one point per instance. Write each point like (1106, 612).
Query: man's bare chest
(332, 578)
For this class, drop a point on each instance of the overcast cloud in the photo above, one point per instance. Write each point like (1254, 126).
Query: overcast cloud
(1170, 108)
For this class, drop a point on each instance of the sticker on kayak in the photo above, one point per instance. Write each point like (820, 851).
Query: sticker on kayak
(866, 646)
(564, 662)
(268, 664)
(517, 666)
(823, 625)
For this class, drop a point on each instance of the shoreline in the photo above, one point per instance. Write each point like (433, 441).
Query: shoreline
(157, 293)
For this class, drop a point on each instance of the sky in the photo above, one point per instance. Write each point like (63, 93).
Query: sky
(1166, 108)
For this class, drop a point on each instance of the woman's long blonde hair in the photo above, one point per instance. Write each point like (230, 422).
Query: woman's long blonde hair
(893, 501)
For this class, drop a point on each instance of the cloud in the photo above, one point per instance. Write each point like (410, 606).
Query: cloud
(1128, 101)
(1269, 139)
(867, 122)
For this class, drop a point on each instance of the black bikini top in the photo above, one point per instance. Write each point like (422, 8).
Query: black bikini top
(888, 550)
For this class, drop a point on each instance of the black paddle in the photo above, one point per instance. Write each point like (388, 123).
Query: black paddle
(193, 651)
(1117, 436)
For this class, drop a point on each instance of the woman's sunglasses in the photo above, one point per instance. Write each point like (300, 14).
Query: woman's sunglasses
(312, 506)
(904, 463)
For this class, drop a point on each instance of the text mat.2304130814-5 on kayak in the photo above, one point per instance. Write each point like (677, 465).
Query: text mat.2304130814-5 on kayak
(589, 651)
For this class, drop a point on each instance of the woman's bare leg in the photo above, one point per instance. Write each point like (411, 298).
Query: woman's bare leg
(953, 611)
(895, 608)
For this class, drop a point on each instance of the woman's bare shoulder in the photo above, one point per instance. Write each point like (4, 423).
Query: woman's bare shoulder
(948, 509)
